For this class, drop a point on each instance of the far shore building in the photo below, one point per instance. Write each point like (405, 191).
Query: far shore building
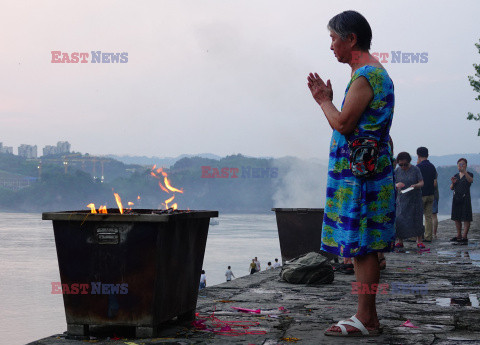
(6, 149)
(62, 147)
(27, 151)
(49, 150)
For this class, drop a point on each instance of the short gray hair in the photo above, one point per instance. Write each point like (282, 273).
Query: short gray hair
(352, 22)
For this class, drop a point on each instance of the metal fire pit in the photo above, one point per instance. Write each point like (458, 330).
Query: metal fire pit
(153, 259)
(300, 231)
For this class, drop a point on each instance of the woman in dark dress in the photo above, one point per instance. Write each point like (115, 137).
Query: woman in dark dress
(409, 219)
(462, 202)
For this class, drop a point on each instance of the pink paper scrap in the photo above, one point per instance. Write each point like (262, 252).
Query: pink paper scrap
(408, 324)
(244, 310)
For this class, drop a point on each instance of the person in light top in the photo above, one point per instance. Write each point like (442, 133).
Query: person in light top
(229, 274)
(203, 280)
(276, 264)
(269, 266)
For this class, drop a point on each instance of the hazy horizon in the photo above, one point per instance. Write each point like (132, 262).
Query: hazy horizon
(222, 77)
(217, 156)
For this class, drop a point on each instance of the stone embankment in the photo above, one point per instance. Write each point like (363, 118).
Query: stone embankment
(446, 311)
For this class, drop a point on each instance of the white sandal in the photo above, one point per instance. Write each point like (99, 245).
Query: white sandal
(354, 323)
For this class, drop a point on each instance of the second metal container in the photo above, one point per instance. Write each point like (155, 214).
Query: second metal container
(299, 231)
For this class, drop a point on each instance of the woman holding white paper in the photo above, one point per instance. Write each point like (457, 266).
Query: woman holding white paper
(409, 211)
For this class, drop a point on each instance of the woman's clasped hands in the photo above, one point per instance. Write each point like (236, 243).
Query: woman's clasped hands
(321, 92)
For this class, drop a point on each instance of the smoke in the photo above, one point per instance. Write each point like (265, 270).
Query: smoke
(301, 183)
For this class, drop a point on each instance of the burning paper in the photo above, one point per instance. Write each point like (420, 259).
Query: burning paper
(92, 208)
(166, 186)
(119, 202)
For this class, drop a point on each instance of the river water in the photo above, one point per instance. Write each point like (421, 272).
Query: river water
(28, 265)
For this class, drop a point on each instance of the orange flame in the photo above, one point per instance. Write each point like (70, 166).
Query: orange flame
(102, 209)
(138, 197)
(92, 208)
(168, 201)
(169, 186)
(130, 203)
(162, 187)
(119, 202)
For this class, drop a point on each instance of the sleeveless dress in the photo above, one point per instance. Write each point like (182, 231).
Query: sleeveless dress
(360, 213)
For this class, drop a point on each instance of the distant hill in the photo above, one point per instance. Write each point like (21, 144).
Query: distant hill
(446, 160)
(161, 162)
(232, 184)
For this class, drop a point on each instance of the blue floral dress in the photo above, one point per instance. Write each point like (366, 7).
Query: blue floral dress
(360, 213)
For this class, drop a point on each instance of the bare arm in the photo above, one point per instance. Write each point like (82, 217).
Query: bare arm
(419, 184)
(358, 97)
(466, 174)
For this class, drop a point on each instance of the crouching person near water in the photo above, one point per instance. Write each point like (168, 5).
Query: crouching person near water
(359, 212)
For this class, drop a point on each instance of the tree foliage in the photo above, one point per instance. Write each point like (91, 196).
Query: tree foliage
(475, 83)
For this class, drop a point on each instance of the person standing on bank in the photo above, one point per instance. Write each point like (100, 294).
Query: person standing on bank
(203, 280)
(229, 274)
(429, 174)
(257, 265)
(408, 222)
(462, 201)
(253, 267)
(359, 212)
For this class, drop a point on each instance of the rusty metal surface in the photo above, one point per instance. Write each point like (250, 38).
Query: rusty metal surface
(159, 261)
(299, 230)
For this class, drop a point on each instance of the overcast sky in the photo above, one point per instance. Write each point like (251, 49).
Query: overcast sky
(224, 76)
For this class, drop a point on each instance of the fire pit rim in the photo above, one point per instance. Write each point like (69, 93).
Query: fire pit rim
(86, 216)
